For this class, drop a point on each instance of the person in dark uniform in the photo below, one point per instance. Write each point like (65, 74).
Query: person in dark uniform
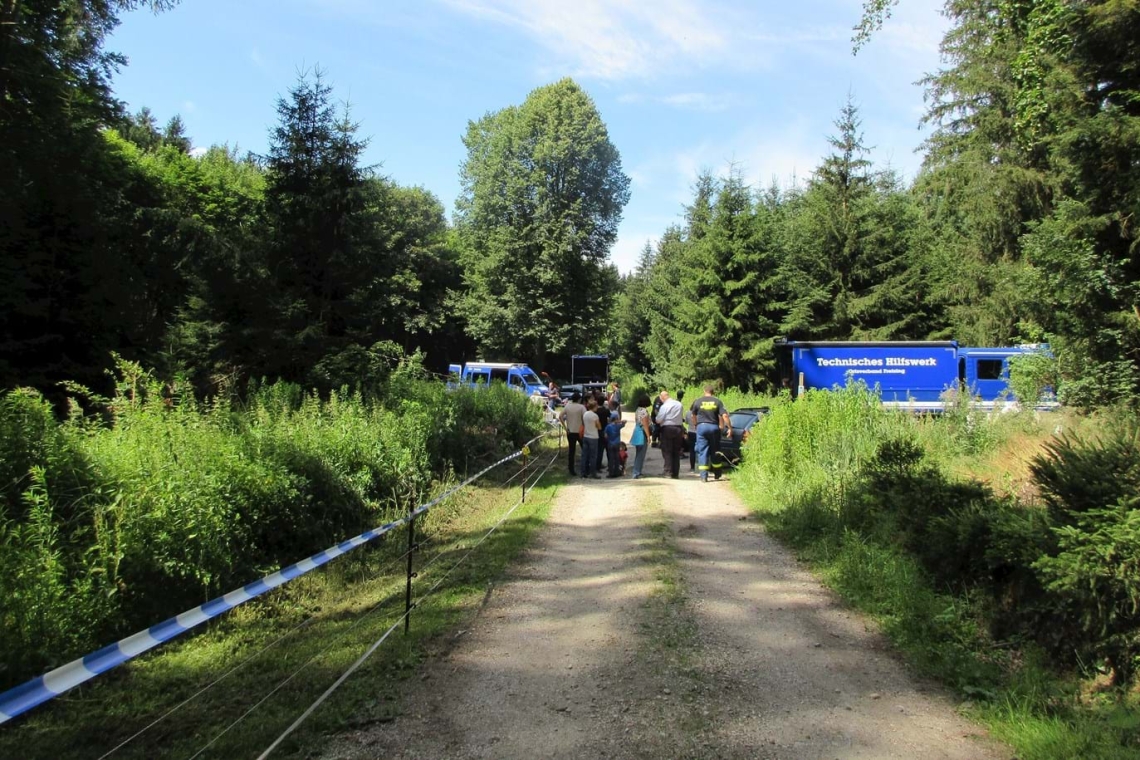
(706, 416)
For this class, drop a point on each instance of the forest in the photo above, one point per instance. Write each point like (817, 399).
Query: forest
(238, 327)
(307, 266)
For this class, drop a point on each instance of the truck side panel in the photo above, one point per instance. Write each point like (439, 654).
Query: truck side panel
(902, 373)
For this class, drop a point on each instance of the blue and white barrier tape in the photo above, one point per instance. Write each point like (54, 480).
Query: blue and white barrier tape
(24, 697)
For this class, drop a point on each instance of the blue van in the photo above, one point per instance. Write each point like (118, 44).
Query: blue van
(516, 375)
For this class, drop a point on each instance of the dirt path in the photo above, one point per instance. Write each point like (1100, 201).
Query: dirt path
(654, 619)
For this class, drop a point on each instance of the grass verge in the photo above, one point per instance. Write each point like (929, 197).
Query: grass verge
(288, 648)
(670, 646)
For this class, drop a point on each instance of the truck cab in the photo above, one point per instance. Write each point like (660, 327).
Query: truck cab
(985, 373)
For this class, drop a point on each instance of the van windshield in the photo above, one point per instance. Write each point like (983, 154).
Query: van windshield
(530, 378)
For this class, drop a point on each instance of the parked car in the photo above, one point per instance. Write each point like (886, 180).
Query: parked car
(568, 390)
(743, 420)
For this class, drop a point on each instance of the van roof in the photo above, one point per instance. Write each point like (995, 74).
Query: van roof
(495, 365)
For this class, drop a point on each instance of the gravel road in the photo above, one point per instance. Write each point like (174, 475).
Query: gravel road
(566, 659)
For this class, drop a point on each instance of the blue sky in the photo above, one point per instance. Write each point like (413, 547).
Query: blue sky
(682, 85)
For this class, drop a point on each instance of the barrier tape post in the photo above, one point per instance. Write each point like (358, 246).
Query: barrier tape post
(525, 459)
(408, 588)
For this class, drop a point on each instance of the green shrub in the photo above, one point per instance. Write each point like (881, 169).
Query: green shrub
(57, 595)
(1095, 576)
(1092, 570)
(30, 436)
(1077, 476)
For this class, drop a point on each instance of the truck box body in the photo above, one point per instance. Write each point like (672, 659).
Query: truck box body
(589, 371)
(915, 375)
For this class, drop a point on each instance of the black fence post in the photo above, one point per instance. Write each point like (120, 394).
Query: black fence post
(411, 551)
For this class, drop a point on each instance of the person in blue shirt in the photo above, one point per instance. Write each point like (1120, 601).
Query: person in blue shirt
(613, 447)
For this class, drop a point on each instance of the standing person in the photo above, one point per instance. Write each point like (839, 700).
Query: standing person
(590, 428)
(707, 414)
(640, 438)
(615, 397)
(655, 430)
(613, 446)
(571, 419)
(671, 424)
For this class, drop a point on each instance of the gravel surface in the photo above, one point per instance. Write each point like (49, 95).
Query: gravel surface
(566, 659)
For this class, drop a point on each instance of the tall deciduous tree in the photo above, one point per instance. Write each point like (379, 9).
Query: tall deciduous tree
(542, 196)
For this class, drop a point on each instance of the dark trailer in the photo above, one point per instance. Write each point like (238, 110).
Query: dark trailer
(590, 370)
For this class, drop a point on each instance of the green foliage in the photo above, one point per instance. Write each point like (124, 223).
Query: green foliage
(1077, 476)
(57, 596)
(837, 260)
(106, 528)
(542, 195)
(1092, 490)
(1034, 377)
(1095, 575)
(1000, 599)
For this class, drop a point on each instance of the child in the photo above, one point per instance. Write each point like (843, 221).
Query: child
(622, 456)
(613, 447)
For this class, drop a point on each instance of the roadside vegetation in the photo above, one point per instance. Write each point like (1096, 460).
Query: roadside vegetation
(321, 623)
(997, 551)
(152, 502)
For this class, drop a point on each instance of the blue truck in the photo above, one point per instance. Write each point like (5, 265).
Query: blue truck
(913, 375)
(516, 375)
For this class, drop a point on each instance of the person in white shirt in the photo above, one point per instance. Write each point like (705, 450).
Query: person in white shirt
(571, 419)
(671, 423)
(590, 429)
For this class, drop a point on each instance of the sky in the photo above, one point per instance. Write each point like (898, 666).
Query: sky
(682, 85)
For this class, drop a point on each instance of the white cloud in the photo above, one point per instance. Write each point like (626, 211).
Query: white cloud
(258, 59)
(690, 101)
(198, 152)
(611, 40)
(189, 106)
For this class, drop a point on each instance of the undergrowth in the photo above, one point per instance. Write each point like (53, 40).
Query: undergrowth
(301, 637)
(1019, 595)
(138, 507)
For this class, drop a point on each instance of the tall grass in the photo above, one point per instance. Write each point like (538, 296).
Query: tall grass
(115, 522)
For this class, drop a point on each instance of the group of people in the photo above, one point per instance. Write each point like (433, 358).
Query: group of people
(595, 424)
(595, 421)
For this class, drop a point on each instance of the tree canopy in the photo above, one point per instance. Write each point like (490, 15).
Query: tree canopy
(542, 196)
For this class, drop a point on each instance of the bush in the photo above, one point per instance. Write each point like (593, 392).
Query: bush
(1092, 568)
(1076, 476)
(56, 595)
